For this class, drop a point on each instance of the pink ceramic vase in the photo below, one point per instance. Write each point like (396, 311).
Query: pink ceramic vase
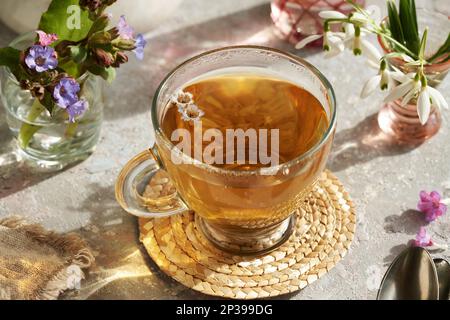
(403, 122)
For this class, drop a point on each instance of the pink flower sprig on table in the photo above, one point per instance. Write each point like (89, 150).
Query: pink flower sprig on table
(431, 205)
(423, 239)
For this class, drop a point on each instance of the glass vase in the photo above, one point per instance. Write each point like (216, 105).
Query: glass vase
(295, 19)
(50, 141)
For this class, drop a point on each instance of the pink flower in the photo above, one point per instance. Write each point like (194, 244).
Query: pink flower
(126, 32)
(431, 205)
(423, 239)
(46, 39)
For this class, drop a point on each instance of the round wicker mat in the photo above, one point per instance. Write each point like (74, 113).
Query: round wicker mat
(324, 230)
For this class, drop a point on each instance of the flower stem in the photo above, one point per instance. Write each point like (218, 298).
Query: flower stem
(71, 129)
(27, 130)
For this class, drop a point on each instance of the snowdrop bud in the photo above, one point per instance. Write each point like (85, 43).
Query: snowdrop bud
(332, 15)
(358, 18)
(357, 42)
(385, 79)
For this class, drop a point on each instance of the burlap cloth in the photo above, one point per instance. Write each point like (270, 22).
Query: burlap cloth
(39, 264)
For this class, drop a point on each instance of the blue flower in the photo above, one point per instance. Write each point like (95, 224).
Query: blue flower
(66, 97)
(126, 32)
(77, 109)
(41, 58)
(140, 45)
(66, 92)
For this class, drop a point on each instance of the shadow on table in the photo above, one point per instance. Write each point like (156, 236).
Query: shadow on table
(123, 269)
(394, 252)
(166, 51)
(362, 143)
(408, 222)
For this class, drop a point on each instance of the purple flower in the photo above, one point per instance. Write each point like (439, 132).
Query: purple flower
(66, 92)
(41, 58)
(423, 239)
(430, 204)
(140, 45)
(77, 109)
(125, 30)
(46, 39)
(66, 96)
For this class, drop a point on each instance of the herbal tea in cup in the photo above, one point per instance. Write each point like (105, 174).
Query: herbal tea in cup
(243, 133)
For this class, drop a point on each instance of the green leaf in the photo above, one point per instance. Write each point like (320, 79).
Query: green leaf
(67, 19)
(108, 74)
(394, 22)
(423, 44)
(408, 19)
(414, 15)
(79, 54)
(445, 48)
(71, 68)
(10, 57)
(100, 24)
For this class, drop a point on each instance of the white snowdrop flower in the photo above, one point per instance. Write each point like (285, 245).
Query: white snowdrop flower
(424, 105)
(437, 99)
(386, 79)
(304, 42)
(359, 18)
(333, 43)
(370, 86)
(373, 54)
(330, 14)
(402, 90)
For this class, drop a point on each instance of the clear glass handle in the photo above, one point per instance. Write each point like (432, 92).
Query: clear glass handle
(144, 189)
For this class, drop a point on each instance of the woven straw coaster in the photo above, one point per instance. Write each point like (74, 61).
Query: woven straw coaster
(324, 230)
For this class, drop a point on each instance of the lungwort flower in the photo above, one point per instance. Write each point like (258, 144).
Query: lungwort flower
(41, 58)
(140, 45)
(430, 204)
(423, 239)
(66, 97)
(66, 92)
(126, 32)
(77, 109)
(46, 39)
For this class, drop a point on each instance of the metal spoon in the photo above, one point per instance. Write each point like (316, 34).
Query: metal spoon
(443, 271)
(412, 276)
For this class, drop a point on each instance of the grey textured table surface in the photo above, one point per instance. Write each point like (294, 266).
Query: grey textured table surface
(383, 180)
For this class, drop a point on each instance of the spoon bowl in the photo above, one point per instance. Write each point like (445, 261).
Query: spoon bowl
(443, 271)
(412, 276)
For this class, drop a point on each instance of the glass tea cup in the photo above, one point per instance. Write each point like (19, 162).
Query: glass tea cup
(240, 211)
